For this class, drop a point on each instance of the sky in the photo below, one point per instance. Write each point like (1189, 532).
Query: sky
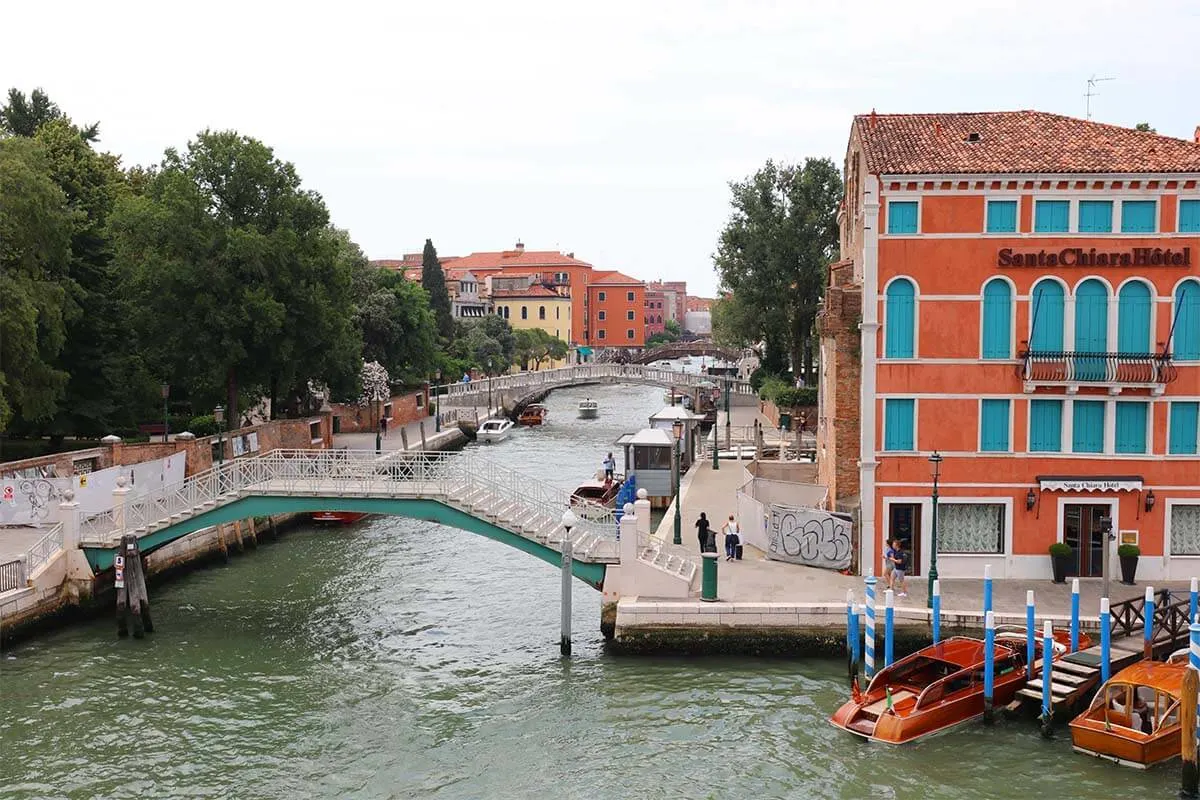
(610, 130)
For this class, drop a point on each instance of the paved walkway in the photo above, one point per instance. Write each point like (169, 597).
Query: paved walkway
(15, 541)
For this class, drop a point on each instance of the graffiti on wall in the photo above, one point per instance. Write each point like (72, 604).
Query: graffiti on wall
(809, 536)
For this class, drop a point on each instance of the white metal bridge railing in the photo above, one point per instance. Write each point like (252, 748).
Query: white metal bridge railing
(586, 372)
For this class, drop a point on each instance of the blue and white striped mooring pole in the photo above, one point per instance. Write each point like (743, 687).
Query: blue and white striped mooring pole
(1148, 615)
(1191, 773)
(1192, 602)
(987, 589)
(1105, 636)
(889, 621)
(869, 640)
(937, 611)
(989, 664)
(1047, 673)
(1030, 633)
(1074, 614)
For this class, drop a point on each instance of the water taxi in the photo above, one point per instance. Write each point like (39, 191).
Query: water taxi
(494, 430)
(589, 409)
(937, 688)
(1134, 718)
(534, 414)
(596, 497)
(337, 517)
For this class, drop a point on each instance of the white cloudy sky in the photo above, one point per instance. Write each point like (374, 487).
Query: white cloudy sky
(608, 129)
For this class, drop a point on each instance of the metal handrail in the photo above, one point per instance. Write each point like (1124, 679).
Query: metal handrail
(563, 376)
(1083, 367)
(44, 549)
(12, 575)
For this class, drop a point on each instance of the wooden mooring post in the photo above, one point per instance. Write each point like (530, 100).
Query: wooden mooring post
(133, 601)
(1187, 733)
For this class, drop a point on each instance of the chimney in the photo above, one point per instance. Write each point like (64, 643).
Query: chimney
(572, 254)
(520, 248)
(1196, 135)
(874, 117)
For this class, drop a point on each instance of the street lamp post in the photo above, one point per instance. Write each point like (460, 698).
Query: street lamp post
(166, 392)
(219, 416)
(677, 429)
(936, 461)
(437, 407)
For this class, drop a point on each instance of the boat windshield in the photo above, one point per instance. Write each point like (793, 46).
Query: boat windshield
(1141, 709)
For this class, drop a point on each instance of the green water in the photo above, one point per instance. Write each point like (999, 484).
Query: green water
(398, 659)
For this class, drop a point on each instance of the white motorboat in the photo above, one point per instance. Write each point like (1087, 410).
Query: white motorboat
(589, 409)
(494, 430)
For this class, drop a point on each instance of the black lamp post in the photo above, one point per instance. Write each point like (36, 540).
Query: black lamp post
(437, 407)
(677, 429)
(936, 461)
(166, 392)
(219, 416)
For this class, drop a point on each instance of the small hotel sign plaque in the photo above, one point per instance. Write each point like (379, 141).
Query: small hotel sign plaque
(1091, 257)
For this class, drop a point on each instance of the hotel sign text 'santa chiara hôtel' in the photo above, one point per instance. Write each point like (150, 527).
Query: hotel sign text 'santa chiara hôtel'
(1019, 292)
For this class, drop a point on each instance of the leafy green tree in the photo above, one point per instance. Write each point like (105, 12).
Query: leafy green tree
(774, 250)
(1144, 127)
(433, 279)
(535, 345)
(35, 242)
(673, 328)
(488, 343)
(23, 116)
(398, 327)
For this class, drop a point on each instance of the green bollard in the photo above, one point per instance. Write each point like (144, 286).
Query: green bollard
(708, 578)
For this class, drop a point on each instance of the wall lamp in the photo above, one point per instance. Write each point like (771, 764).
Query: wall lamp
(1030, 500)
(1150, 501)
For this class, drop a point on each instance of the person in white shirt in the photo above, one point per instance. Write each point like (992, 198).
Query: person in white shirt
(733, 539)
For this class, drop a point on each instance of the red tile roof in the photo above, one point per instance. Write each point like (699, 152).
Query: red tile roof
(612, 276)
(699, 304)
(1014, 142)
(537, 290)
(520, 258)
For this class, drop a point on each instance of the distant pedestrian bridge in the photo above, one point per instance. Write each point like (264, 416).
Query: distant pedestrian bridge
(696, 347)
(484, 392)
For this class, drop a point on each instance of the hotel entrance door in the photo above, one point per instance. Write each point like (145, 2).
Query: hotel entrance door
(1081, 532)
(904, 523)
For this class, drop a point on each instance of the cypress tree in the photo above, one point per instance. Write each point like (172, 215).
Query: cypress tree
(434, 281)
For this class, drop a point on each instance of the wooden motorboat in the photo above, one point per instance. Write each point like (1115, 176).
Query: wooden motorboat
(337, 517)
(596, 497)
(588, 409)
(534, 414)
(494, 430)
(1134, 718)
(937, 688)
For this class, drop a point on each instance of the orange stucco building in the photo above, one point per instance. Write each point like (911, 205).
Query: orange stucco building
(616, 311)
(1019, 292)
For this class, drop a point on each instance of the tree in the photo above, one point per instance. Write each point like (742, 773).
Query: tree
(732, 322)
(376, 387)
(1144, 127)
(535, 345)
(23, 116)
(35, 240)
(433, 279)
(397, 325)
(488, 342)
(774, 250)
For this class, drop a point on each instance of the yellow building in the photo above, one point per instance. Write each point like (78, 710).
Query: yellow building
(535, 307)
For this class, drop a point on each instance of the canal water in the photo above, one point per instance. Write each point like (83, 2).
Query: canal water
(401, 659)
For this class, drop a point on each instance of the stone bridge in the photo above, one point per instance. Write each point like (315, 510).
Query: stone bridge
(696, 347)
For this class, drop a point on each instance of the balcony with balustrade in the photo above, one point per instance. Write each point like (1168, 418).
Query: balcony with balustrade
(1114, 371)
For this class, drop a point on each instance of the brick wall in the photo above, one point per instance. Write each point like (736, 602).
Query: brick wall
(841, 377)
(772, 411)
(404, 408)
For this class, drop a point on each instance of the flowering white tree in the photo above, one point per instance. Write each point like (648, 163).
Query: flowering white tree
(376, 386)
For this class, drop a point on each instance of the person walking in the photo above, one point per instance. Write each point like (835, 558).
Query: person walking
(610, 467)
(733, 540)
(705, 534)
(383, 426)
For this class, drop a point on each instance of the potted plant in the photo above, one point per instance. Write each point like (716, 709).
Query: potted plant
(1128, 553)
(1060, 559)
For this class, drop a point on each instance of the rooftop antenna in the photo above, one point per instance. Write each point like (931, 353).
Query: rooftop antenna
(1091, 91)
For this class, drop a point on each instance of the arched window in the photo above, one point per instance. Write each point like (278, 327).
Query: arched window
(524, 312)
(1185, 340)
(900, 319)
(1046, 317)
(1091, 329)
(1133, 319)
(541, 312)
(997, 319)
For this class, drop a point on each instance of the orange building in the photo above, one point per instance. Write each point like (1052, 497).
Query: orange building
(1029, 292)
(616, 311)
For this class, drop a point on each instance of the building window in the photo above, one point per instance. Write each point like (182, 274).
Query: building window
(556, 311)
(1185, 340)
(600, 315)
(1185, 430)
(898, 424)
(541, 312)
(601, 296)
(1002, 216)
(1185, 530)
(629, 334)
(1091, 329)
(524, 312)
(1189, 216)
(1046, 325)
(1095, 216)
(1051, 216)
(1133, 319)
(506, 312)
(1045, 426)
(629, 316)
(600, 334)
(902, 217)
(901, 321)
(997, 319)
(993, 426)
(1088, 426)
(1139, 216)
(971, 528)
(629, 296)
(1131, 427)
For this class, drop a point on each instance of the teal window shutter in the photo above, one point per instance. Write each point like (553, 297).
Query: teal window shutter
(1051, 216)
(1045, 426)
(1088, 426)
(993, 425)
(902, 216)
(1185, 340)
(898, 424)
(1184, 432)
(1131, 427)
(1095, 216)
(1189, 216)
(900, 319)
(1138, 216)
(1133, 319)
(1002, 216)
(1091, 330)
(997, 319)
(1046, 312)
